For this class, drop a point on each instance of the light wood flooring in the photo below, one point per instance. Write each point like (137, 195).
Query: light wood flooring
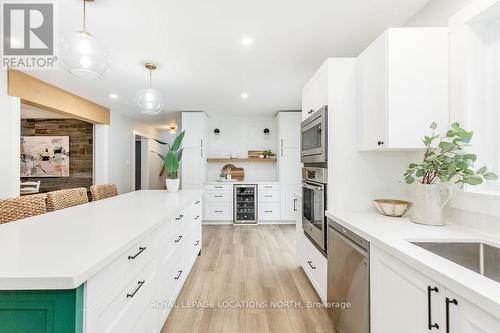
(247, 263)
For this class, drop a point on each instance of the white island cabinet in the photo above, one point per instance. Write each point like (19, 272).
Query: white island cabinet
(115, 265)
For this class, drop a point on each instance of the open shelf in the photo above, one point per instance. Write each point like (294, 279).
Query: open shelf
(244, 159)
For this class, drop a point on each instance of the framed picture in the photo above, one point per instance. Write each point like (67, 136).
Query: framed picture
(45, 156)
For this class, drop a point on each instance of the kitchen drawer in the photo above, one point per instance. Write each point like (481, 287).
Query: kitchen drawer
(218, 211)
(218, 196)
(269, 196)
(315, 266)
(118, 314)
(110, 280)
(269, 211)
(219, 187)
(269, 187)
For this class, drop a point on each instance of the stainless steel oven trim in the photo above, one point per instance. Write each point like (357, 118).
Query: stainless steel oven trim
(318, 237)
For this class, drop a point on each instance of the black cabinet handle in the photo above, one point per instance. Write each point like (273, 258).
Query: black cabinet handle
(448, 302)
(197, 242)
(268, 196)
(218, 195)
(380, 143)
(197, 217)
(310, 264)
(294, 204)
(268, 211)
(178, 276)
(179, 217)
(141, 249)
(430, 324)
(178, 239)
(197, 202)
(217, 211)
(218, 186)
(140, 284)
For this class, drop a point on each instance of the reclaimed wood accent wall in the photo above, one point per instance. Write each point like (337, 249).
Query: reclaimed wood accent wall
(80, 146)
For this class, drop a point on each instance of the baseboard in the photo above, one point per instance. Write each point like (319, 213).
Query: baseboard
(285, 222)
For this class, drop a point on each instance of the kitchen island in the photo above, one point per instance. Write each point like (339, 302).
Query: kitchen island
(99, 267)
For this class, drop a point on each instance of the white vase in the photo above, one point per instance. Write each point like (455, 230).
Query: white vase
(429, 203)
(172, 184)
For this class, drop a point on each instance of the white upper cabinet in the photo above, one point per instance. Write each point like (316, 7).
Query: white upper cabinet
(315, 93)
(403, 86)
(289, 129)
(194, 123)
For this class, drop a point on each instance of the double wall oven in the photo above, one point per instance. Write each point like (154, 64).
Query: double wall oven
(314, 155)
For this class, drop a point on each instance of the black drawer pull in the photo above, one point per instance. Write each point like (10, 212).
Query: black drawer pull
(179, 217)
(218, 186)
(197, 217)
(268, 211)
(218, 211)
(268, 187)
(197, 242)
(218, 196)
(430, 324)
(448, 302)
(178, 276)
(140, 284)
(380, 143)
(310, 264)
(268, 196)
(141, 249)
(178, 239)
(197, 202)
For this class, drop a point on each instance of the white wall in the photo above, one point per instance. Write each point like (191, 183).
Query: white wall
(437, 12)
(10, 129)
(237, 136)
(121, 152)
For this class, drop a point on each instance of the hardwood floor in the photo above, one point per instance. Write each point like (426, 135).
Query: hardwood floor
(244, 269)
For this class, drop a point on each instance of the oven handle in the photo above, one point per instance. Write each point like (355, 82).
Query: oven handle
(311, 187)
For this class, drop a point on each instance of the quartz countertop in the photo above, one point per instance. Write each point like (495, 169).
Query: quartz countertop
(63, 249)
(393, 235)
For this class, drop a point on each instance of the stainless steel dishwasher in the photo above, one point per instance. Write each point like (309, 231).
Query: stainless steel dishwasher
(348, 280)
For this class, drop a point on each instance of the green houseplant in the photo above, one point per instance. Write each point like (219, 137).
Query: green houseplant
(445, 161)
(171, 161)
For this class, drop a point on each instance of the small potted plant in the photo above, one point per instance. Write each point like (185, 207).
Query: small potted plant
(445, 161)
(268, 154)
(171, 162)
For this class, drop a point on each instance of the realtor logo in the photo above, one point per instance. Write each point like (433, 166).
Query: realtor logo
(28, 35)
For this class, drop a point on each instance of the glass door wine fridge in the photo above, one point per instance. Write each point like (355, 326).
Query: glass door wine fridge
(245, 204)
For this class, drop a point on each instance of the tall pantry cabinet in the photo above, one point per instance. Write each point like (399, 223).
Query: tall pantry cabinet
(194, 156)
(289, 166)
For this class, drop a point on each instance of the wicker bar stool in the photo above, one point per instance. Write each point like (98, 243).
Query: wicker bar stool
(22, 207)
(103, 191)
(66, 198)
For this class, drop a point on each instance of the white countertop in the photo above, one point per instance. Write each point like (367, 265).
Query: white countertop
(393, 235)
(63, 249)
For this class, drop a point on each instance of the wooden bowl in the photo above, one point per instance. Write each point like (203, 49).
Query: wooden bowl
(393, 208)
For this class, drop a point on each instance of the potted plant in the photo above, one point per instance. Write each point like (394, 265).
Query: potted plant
(445, 161)
(171, 162)
(268, 154)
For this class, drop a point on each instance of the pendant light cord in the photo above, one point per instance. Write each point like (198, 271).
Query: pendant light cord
(84, 16)
(150, 78)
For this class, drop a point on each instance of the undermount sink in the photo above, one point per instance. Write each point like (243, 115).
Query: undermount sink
(479, 257)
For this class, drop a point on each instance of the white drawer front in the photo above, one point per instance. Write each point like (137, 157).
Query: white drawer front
(218, 211)
(269, 196)
(269, 187)
(218, 196)
(269, 211)
(219, 187)
(315, 265)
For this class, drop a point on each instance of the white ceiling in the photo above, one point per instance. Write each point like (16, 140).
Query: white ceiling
(197, 46)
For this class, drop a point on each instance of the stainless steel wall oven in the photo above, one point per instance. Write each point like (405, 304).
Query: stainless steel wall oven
(314, 182)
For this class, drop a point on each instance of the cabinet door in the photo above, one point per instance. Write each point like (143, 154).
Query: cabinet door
(289, 129)
(307, 98)
(299, 233)
(399, 297)
(193, 124)
(192, 167)
(321, 87)
(288, 202)
(289, 166)
(464, 317)
(372, 95)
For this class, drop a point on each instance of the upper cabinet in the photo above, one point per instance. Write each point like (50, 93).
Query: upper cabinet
(402, 87)
(194, 123)
(289, 129)
(315, 93)
(194, 156)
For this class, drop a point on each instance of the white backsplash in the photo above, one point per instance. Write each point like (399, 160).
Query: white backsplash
(238, 135)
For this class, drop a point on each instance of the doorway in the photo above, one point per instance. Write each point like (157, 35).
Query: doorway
(138, 154)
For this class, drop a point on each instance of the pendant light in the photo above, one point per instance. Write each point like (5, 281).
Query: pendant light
(148, 100)
(82, 55)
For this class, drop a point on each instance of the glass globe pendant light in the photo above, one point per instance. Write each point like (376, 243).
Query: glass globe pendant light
(149, 100)
(82, 55)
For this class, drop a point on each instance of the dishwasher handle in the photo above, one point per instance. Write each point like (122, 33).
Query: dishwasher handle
(349, 242)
